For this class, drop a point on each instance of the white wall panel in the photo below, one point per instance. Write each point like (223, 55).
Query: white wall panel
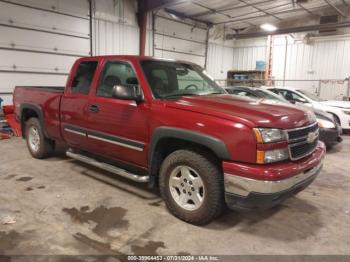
(219, 60)
(8, 81)
(244, 58)
(111, 38)
(43, 38)
(176, 40)
(172, 55)
(320, 59)
(28, 61)
(40, 41)
(178, 45)
(37, 19)
(76, 7)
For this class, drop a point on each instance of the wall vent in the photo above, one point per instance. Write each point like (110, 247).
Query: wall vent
(328, 19)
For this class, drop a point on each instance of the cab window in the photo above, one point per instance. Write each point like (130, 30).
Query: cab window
(83, 77)
(115, 73)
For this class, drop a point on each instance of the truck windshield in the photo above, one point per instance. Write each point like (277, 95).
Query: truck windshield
(172, 79)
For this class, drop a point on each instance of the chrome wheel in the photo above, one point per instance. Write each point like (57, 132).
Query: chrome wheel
(34, 139)
(186, 188)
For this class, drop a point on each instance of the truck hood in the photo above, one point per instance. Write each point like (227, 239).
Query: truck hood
(251, 112)
(339, 104)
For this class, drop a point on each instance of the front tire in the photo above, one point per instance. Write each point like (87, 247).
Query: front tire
(192, 187)
(38, 145)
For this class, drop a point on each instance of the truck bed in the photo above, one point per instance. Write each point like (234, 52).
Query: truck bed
(46, 99)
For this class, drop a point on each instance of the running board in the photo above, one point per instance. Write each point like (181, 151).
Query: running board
(107, 167)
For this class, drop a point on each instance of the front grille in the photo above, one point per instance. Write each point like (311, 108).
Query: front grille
(299, 133)
(301, 150)
(299, 144)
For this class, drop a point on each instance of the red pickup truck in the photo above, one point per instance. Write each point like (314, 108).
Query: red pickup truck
(168, 124)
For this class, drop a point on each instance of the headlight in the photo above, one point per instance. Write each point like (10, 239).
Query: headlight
(268, 135)
(270, 156)
(325, 123)
(346, 112)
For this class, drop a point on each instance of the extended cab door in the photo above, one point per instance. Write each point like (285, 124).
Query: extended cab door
(118, 129)
(74, 105)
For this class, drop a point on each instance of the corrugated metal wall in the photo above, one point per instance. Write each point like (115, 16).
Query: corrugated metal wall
(115, 28)
(322, 58)
(319, 58)
(40, 39)
(219, 60)
(247, 52)
(179, 40)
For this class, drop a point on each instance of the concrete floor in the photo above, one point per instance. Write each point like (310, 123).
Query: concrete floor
(59, 209)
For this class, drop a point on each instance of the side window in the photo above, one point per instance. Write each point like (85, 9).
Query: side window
(159, 80)
(115, 73)
(291, 96)
(242, 93)
(83, 77)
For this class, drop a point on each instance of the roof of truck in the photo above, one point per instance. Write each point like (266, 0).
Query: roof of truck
(133, 58)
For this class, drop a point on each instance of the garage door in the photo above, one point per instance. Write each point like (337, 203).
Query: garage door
(177, 40)
(40, 39)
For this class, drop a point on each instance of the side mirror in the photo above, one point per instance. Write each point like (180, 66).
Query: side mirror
(127, 93)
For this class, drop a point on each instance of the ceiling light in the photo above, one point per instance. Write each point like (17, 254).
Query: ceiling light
(268, 27)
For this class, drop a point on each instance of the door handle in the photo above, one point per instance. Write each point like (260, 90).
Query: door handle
(94, 108)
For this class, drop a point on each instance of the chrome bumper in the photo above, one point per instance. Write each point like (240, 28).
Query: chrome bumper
(243, 186)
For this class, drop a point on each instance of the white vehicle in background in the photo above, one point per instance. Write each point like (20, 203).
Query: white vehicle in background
(339, 109)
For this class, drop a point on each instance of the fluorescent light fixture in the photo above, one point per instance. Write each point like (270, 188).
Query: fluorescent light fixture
(268, 27)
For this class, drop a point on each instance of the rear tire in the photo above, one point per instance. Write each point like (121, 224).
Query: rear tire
(38, 145)
(192, 187)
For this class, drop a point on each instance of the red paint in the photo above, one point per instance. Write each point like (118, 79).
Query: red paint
(276, 171)
(225, 117)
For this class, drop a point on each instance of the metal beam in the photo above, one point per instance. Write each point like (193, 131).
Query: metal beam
(227, 9)
(259, 9)
(184, 16)
(335, 8)
(289, 30)
(307, 10)
(262, 16)
(152, 5)
(345, 3)
(90, 26)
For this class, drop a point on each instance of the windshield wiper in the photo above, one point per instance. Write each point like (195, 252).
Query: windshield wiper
(178, 95)
(215, 93)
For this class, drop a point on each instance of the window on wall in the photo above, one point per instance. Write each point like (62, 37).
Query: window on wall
(83, 77)
(115, 73)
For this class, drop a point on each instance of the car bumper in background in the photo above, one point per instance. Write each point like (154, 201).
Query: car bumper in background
(270, 185)
(330, 136)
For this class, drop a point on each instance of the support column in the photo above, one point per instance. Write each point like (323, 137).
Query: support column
(142, 21)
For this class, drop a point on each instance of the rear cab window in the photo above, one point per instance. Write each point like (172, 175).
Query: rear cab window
(83, 77)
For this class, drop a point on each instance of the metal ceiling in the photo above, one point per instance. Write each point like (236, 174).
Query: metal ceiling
(243, 14)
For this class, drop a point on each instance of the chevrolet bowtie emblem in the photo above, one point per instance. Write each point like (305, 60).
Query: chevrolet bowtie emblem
(311, 137)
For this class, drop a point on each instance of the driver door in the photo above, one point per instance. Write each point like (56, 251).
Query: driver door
(118, 129)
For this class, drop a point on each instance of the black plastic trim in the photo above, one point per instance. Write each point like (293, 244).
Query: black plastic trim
(214, 144)
(105, 136)
(260, 201)
(53, 89)
(118, 139)
(38, 111)
(75, 128)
